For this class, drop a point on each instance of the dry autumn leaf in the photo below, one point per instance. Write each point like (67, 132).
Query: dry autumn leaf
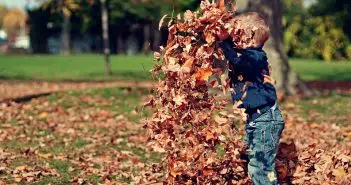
(161, 22)
(188, 65)
(203, 74)
(339, 173)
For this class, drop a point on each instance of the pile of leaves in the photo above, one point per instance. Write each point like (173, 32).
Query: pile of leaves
(312, 153)
(192, 123)
(316, 165)
(312, 165)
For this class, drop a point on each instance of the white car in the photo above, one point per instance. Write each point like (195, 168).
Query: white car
(22, 42)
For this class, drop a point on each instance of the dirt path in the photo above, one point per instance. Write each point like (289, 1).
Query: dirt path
(26, 89)
(343, 86)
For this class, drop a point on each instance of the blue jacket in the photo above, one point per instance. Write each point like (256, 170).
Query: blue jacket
(247, 75)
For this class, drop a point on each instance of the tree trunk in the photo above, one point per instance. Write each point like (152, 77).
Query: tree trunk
(65, 36)
(65, 33)
(287, 81)
(120, 44)
(156, 39)
(104, 18)
(146, 45)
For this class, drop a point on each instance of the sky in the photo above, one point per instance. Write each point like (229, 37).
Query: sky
(18, 3)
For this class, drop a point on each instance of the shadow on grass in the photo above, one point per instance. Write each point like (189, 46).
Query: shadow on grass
(16, 77)
(137, 76)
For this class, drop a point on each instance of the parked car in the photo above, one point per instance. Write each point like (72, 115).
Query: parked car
(22, 42)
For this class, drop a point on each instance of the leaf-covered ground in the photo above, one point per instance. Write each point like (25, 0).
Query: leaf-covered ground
(74, 137)
(96, 136)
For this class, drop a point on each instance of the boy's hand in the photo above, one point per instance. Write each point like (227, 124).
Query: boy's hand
(237, 103)
(240, 111)
(268, 79)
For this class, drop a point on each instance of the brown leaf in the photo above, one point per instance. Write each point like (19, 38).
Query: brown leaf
(203, 74)
(339, 173)
(45, 156)
(187, 66)
(188, 15)
(42, 115)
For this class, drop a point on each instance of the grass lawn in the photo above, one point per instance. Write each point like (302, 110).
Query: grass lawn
(91, 67)
(310, 69)
(76, 67)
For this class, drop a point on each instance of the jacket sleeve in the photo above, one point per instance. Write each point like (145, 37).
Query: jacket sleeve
(229, 52)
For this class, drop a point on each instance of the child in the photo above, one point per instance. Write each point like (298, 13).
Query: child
(254, 91)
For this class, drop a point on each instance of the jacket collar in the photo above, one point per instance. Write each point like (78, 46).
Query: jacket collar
(255, 48)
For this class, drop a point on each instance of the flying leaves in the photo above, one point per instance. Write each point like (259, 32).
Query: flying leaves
(185, 123)
(192, 124)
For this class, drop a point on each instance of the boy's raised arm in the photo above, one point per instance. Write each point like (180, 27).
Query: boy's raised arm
(229, 52)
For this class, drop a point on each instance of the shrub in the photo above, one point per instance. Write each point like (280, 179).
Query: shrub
(317, 36)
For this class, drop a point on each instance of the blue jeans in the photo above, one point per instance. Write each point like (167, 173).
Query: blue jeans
(262, 138)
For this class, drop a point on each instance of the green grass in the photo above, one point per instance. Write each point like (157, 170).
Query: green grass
(91, 68)
(310, 69)
(80, 143)
(332, 108)
(75, 67)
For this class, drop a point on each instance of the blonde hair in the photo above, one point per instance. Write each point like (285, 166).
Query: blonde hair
(253, 23)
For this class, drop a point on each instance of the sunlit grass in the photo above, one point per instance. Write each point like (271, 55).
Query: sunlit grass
(91, 68)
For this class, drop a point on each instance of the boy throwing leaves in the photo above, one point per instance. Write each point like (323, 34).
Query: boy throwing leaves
(253, 91)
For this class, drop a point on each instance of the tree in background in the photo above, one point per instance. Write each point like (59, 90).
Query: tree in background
(129, 15)
(105, 36)
(335, 15)
(138, 18)
(3, 10)
(317, 32)
(38, 29)
(293, 10)
(340, 9)
(65, 8)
